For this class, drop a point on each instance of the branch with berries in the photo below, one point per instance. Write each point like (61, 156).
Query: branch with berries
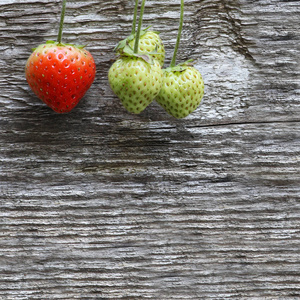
(136, 76)
(136, 79)
(60, 74)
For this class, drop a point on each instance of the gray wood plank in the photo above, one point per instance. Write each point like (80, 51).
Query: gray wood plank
(102, 204)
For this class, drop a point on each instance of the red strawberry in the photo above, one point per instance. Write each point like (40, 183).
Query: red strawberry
(60, 74)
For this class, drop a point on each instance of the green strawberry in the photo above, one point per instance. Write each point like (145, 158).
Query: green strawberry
(136, 78)
(135, 81)
(150, 42)
(183, 86)
(182, 91)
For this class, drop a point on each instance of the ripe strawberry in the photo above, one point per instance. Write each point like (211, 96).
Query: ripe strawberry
(182, 91)
(60, 75)
(135, 81)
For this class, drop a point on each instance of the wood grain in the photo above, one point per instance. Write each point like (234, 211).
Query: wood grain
(102, 204)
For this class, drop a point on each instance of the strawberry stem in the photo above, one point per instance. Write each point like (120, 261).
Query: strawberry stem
(138, 33)
(134, 17)
(173, 62)
(61, 24)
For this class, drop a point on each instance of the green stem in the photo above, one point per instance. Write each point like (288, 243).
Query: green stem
(61, 24)
(134, 17)
(138, 33)
(173, 62)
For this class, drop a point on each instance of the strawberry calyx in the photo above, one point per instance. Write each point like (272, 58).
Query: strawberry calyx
(180, 67)
(62, 45)
(122, 44)
(129, 52)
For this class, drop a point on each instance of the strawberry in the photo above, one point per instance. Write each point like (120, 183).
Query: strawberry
(135, 81)
(182, 91)
(136, 78)
(183, 86)
(150, 42)
(60, 74)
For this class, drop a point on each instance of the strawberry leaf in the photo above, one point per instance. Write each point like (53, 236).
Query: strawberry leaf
(180, 67)
(154, 52)
(122, 44)
(148, 59)
(144, 31)
(66, 44)
(128, 51)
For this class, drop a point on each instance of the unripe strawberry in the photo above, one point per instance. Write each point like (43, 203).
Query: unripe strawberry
(183, 86)
(135, 81)
(150, 42)
(136, 78)
(181, 92)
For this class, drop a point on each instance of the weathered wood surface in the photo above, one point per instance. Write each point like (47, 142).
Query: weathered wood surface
(101, 204)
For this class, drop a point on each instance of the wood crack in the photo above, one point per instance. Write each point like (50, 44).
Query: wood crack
(239, 43)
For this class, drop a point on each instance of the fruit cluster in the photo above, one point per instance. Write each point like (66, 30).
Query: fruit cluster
(60, 74)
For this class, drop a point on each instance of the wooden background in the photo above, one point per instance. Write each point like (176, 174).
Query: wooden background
(102, 204)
